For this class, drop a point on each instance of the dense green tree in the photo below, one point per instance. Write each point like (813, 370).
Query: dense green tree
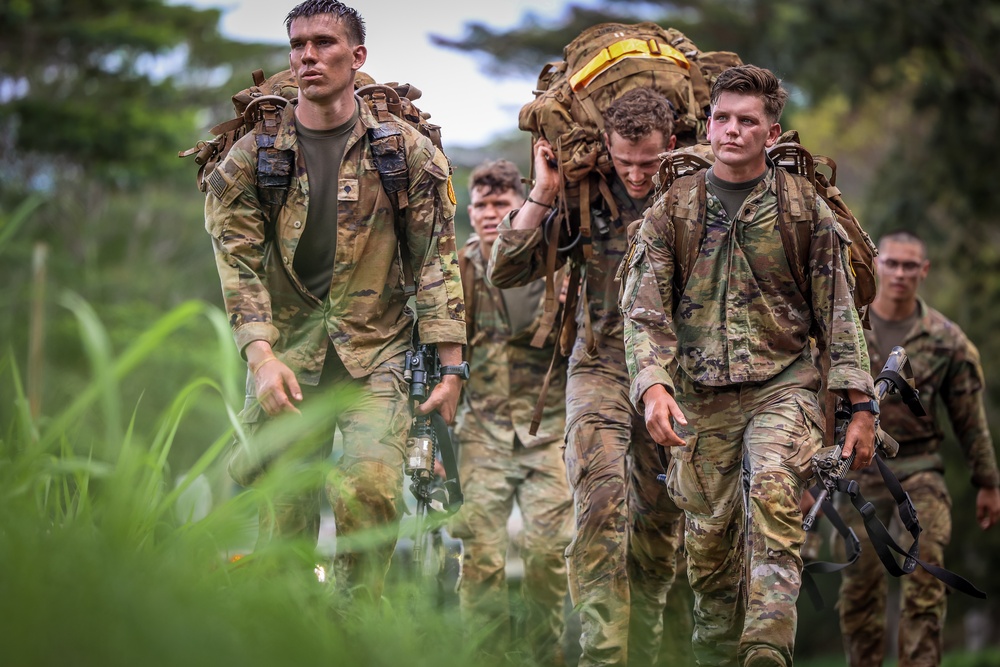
(111, 87)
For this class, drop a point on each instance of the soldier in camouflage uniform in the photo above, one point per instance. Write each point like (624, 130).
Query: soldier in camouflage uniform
(500, 461)
(316, 298)
(948, 374)
(723, 373)
(623, 555)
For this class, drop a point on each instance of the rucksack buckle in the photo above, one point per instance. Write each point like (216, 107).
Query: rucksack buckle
(908, 513)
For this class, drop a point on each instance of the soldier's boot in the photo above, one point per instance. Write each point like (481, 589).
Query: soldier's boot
(763, 656)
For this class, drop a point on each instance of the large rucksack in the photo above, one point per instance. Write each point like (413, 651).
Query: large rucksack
(259, 107)
(600, 65)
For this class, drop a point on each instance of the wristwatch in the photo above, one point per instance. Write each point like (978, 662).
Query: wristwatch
(461, 370)
(866, 406)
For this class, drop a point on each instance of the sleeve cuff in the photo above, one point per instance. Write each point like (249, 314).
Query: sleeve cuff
(441, 331)
(252, 331)
(646, 378)
(842, 379)
(988, 481)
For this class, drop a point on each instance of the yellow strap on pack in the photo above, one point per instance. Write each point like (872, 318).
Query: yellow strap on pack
(627, 48)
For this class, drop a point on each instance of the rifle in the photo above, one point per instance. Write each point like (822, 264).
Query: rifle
(831, 470)
(429, 437)
(829, 465)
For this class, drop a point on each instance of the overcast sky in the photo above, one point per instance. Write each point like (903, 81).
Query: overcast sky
(469, 106)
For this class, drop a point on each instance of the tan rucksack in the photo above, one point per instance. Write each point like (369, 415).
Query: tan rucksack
(259, 108)
(267, 96)
(600, 65)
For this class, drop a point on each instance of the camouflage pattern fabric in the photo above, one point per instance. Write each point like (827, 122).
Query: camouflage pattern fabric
(519, 258)
(506, 372)
(623, 557)
(366, 488)
(947, 373)
(501, 462)
(864, 587)
(601, 431)
(735, 354)
(739, 478)
(365, 314)
(741, 317)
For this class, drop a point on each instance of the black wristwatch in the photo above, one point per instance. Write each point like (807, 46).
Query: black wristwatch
(866, 406)
(462, 370)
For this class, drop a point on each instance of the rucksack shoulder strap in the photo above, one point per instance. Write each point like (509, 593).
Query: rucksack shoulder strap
(467, 271)
(389, 155)
(796, 223)
(274, 166)
(686, 207)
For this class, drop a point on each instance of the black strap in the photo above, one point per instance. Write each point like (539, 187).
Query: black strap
(910, 396)
(852, 548)
(885, 545)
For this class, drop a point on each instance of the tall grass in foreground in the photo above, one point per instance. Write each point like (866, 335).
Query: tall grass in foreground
(98, 565)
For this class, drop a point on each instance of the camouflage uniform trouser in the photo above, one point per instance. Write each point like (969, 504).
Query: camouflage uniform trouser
(739, 479)
(366, 488)
(492, 478)
(623, 557)
(864, 587)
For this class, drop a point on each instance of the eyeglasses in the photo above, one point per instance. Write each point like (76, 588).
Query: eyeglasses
(908, 268)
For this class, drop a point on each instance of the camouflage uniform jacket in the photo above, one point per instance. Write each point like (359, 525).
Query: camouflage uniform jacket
(365, 314)
(741, 317)
(519, 257)
(506, 372)
(947, 371)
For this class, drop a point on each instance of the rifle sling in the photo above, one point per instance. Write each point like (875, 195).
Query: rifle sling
(852, 546)
(909, 395)
(882, 540)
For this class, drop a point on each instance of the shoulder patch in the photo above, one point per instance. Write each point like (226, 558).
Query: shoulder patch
(451, 193)
(218, 184)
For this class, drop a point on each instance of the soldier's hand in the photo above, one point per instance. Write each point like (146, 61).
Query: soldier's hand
(275, 382)
(443, 398)
(988, 507)
(547, 183)
(660, 407)
(860, 438)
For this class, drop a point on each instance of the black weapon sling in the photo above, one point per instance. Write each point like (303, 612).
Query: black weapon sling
(879, 536)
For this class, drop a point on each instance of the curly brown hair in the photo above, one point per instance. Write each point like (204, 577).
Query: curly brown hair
(497, 176)
(638, 113)
(753, 80)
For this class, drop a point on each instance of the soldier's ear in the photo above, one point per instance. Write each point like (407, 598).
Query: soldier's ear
(772, 134)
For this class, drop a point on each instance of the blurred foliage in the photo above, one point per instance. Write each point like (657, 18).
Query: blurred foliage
(111, 88)
(103, 545)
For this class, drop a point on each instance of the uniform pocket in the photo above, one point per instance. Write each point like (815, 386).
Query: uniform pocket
(684, 483)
